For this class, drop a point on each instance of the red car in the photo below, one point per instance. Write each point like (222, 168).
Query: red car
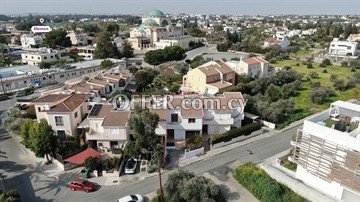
(79, 184)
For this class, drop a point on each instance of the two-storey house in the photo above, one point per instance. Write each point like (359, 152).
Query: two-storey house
(64, 112)
(209, 78)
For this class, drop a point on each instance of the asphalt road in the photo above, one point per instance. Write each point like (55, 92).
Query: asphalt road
(261, 149)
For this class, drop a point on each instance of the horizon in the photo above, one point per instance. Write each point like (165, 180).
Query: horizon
(226, 7)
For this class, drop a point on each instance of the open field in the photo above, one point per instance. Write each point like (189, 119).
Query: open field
(302, 102)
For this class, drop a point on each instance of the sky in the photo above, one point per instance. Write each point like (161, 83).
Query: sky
(240, 7)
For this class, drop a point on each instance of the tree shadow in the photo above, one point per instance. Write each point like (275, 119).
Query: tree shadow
(225, 191)
(221, 173)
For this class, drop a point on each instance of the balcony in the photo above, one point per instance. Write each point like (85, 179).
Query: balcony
(93, 135)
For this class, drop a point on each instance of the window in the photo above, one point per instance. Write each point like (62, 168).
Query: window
(192, 120)
(39, 109)
(114, 131)
(24, 81)
(174, 118)
(62, 76)
(45, 58)
(89, 107)
(59, 121)
(51, 56)
(76, 114)
(38, 58)
(100, 144)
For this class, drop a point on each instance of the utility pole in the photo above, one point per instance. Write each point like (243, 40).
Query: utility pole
(2, 84)
(161, 189)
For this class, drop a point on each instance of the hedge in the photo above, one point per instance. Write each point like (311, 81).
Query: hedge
(262, 186)
(236, 132)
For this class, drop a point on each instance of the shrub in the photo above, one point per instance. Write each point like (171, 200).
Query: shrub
(314, 75)
(262, 186)
(233, 133)
(325, 71)
(309, 65)
(344, 64)
(320, 94)
(322, 65)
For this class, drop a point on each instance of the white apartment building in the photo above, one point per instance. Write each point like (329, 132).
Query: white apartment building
(108, 128)
(87, 52)
(29, 40)
(35, 57)
(344, 48)
(78, 38)
(64, 112)
(327, 151)
(256, 67)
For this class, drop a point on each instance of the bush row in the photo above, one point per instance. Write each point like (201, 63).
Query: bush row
(233, 133)
(262, 186)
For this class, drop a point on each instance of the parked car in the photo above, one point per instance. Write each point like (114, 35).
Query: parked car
(130, 198)
(130, 166)
(3, 97)
(79, 184)
(20, 94)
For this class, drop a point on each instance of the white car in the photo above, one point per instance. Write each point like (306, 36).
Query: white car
(132, 198)
(130, 166)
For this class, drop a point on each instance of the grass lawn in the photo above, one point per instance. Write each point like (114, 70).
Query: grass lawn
(302, 102)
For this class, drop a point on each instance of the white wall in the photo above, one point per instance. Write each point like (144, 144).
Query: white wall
(332, 189)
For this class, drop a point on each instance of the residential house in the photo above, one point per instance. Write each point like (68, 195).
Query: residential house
(354, 38)
(86, 51)
(327, 151)
(184, 116)
(108, 128)
(30, 40)
(77, 38)
(256, 67)
(64, 112)
(280, 40)
(344, 48)
(209, 78)
(35, 57)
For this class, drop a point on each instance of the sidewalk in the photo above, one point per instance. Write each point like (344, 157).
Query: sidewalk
(231, 189)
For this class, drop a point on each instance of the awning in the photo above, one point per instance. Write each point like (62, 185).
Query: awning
(251, 116)
(80, 157)
(84, 124)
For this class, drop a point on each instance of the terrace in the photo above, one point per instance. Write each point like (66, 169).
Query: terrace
(341, 123)
(343, 117)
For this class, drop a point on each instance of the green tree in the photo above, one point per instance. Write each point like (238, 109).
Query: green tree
(105, 48)
(106, 64)
(113, 28)
(25, 132)
(31, 112)
(12, 195)
(320, 94)
(2, 57)
(143, 124)
(218, 28)
(273, 92)
(144, 78)
(57, 38)
(185, 186)
(90, 163)
(45, 142)
(128, 50)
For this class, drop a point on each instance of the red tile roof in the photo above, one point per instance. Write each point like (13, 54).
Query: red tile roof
(70, 104)
(80, 157)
